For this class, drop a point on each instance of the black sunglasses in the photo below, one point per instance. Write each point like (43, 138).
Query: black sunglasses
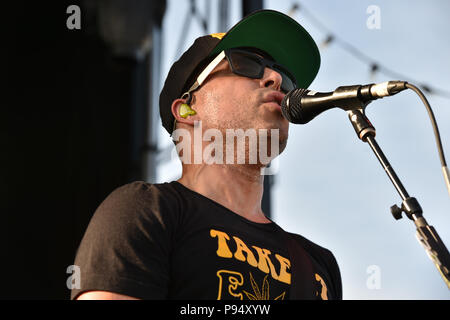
(243, 63)
(249, 64)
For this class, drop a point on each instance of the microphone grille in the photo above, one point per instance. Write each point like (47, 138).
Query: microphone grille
(291, 105)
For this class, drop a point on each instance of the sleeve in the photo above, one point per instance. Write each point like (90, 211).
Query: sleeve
(327, 261)
(126, 247)
(335, 276)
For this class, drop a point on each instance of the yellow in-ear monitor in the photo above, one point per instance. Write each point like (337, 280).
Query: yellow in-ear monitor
(186, 111)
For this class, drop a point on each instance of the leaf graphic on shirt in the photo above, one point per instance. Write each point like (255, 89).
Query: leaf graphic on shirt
(255, 287)
(262, 294)
(250, 296)
(281, 296)
(265, 289)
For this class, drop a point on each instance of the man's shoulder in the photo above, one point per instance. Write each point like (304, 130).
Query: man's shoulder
(140, 198)
(317, 252)
(145, 191)
(134, 205)
(324, 258)
(307, 243)
(143, 186)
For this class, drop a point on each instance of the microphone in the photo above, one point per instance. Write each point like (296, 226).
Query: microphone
(301, 106)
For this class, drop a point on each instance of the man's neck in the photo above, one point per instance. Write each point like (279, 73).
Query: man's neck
(238, 188)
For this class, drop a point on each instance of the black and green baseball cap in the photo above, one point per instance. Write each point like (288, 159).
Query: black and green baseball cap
(283, 38)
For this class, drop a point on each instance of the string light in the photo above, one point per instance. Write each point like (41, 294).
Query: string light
(329, 39)
(374, 66)
(373, 70)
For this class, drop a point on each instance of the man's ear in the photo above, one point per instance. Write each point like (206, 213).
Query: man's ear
(183, 112)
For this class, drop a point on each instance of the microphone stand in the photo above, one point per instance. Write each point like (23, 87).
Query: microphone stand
(426, 234)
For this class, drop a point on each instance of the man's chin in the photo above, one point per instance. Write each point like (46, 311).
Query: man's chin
(280, 135)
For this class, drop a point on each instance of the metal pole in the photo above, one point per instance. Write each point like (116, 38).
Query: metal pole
(249, 6)
(149, 161)
(223, 15)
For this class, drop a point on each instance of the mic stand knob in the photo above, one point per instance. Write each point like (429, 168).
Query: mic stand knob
(410, 206)
(396, 212)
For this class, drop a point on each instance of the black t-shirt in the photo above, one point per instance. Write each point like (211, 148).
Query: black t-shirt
(165, 241)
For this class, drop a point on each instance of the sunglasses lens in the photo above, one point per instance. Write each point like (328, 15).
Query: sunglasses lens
(246, 65)
(287, 82)
(251, 66)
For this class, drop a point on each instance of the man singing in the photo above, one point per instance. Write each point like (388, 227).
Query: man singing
(205, 235)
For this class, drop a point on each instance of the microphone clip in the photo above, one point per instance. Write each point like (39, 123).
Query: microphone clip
(362, 125)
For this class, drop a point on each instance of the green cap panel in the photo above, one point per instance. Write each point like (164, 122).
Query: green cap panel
(281, 37)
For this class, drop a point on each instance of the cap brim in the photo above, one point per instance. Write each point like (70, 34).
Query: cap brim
(281, 37)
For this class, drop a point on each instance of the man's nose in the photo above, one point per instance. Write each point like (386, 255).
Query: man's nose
(271, 79)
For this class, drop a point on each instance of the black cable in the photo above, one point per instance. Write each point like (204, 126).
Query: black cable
(433, 121)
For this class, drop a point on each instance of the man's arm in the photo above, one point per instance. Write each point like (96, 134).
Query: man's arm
(125, 249)
(103, 295)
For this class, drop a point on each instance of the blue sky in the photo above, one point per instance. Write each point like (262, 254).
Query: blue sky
(330, 187)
